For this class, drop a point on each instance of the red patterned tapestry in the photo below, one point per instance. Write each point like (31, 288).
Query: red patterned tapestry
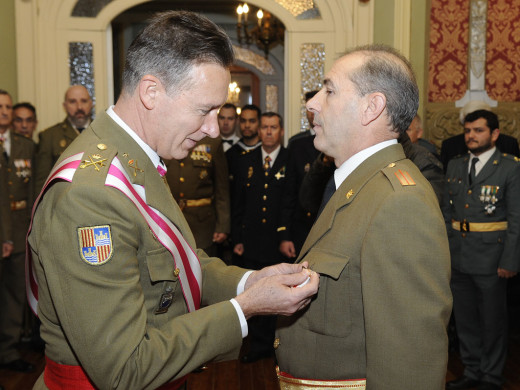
(448, 54)
(503, 50)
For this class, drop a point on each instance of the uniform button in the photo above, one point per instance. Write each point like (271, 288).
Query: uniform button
(466, 206)
(264, 209)
(499, 240)
(181, 194)
(11, 196)
(463, 235)
(182, 165)
(248, 185)
(176, 272)
(264, 197)
(264, 220)
(8, 169)
(308, 213)
(276, 343)
(181, 179)
(266, 185)
(469, 192)
(10, 182)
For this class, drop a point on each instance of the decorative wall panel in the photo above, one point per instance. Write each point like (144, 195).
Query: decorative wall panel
(448, 53)
(312, 67)
(81, 66)
(271, 98)
(503, 50)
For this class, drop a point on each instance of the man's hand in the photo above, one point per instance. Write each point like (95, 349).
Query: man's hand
(278, 269)
(219, 238)
(238, 249)
(287, 249)
(7, 249)
(277, 293)
(504, 273)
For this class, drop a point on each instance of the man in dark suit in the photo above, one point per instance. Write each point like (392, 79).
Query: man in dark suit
(54, 140)
(295, 220)
(17, 156)
(260, 189)
(379, 319)
(482, 215)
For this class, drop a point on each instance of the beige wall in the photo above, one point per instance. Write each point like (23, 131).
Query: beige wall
(8, 74)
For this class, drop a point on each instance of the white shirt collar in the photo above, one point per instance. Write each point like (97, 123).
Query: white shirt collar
(152, 154)
(353, 162)
(482, 159)
(273, 154)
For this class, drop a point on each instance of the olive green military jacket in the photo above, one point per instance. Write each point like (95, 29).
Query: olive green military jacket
(52, 143)
(104, 317)
(5, 204)
(203, 175)
(20, 187)
(494, 196)
(384, 301)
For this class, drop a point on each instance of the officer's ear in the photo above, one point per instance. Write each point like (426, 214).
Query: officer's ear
(148, 91)
(494, 135)
(372, 107)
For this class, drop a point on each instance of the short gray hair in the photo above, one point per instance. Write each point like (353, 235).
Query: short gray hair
(389, 72)
(171, 45)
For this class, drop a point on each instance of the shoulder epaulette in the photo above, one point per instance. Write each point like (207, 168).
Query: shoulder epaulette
(510, 157)
(399, 177)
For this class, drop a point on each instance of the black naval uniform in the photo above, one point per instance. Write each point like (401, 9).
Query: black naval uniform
(254, 223)
(483, 224)
(296, 220)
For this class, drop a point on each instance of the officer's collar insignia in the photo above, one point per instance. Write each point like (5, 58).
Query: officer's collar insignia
(495, 162)
(280, 174)
(133, 164)
(95, 244)
(350, 193)
(95, 161)
(404, 178)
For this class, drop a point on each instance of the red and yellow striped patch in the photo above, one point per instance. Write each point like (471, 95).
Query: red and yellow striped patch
(404, 178)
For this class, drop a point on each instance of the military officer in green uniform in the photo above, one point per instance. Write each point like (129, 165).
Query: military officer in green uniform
(5, 204)
(125, 299)
(54, 140)
(17, 157)
(379, 319)
(200, 183)
(482, 214)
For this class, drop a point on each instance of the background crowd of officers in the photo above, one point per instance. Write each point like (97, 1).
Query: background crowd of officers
(247, 198)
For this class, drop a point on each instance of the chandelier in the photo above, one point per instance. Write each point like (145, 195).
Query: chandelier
(234, 93)
(267, 32)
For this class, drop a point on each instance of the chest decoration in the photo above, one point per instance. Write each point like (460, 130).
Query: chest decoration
(203, 174)
(250, 172)
(307, 167)
(63, 143)
(95, 244)
(280, 174)
(165, 301)
(95, 161)
(488, 196)
(201, 152)
(23, 168)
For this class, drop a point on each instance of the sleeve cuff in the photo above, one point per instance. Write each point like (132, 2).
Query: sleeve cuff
(241, 317)
(242, 283)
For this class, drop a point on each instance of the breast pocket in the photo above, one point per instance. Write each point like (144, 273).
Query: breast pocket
(160, 265)
(330, 311)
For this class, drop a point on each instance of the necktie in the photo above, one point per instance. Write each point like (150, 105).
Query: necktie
(267, 165)
(330, 188)
(80, 129)
(228, 141)
(472, 170)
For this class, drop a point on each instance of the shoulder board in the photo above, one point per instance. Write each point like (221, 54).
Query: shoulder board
(510, 157)
(399, 177)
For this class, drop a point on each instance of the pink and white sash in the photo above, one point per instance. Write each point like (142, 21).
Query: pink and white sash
(185, 259)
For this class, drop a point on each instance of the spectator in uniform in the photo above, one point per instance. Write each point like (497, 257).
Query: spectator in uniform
(17, 157)
(260, 189)
(227, 120)
(24, 119)
(54, 140)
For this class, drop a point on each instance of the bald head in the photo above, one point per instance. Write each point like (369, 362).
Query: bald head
(78, 105)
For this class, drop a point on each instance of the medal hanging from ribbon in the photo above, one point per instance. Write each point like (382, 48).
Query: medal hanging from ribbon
(488, 196)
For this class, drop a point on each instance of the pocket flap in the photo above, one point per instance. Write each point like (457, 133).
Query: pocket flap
(326, 262)
(160, 265)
